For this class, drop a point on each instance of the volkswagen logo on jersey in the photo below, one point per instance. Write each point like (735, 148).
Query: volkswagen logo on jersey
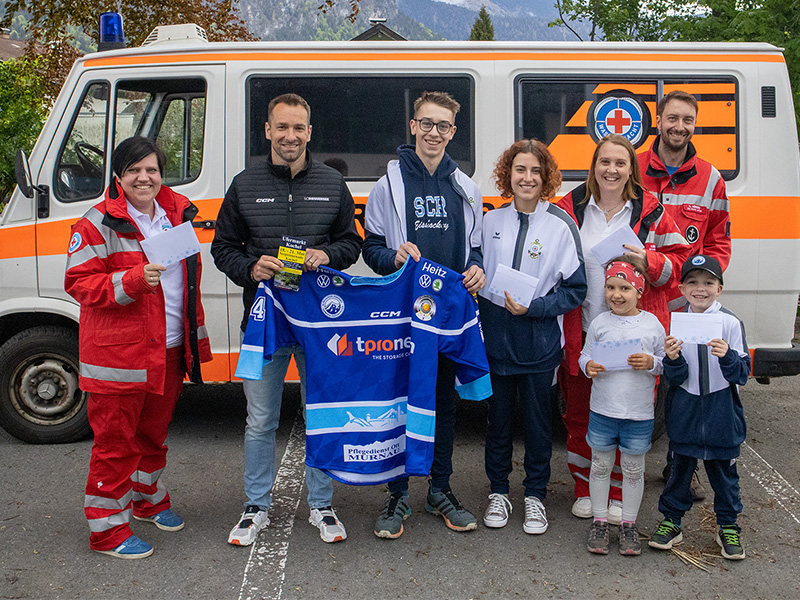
(323, 281)
(425, 280)
(75, 242)
(332, 306)
(424, 308)
(618, 114)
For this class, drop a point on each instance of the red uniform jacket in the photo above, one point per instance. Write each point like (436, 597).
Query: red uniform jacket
(123, 321)
(666, 251)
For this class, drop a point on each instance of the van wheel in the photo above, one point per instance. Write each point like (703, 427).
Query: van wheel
(40, 401)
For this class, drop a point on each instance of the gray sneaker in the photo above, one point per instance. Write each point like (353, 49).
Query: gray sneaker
(389, 524)
(598, 538)
(455, 516)
(629, 544)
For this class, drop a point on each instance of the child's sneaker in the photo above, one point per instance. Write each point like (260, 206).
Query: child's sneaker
(629, 544)
(729, 539)
(598, 538)
(582, 508)
(667, 534)
(615, 512)
(330, 527)
(497, 512)
(455, 516)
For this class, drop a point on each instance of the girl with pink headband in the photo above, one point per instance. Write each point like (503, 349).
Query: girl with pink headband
(622, 355)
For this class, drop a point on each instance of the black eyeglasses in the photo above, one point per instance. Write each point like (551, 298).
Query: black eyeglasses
(442, 126)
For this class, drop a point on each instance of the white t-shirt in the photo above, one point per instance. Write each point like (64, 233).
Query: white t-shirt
(171, 279)
(625, 394)
(593, 231)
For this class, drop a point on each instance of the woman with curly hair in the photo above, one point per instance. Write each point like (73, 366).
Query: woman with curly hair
(541, 243)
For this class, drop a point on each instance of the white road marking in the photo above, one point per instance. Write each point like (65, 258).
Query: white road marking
(265, 570)
(773, 482)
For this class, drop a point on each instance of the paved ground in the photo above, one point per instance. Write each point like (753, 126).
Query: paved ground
(44, 551)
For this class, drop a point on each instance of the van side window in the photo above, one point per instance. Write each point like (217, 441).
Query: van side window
(81, 163)
(361, 120)
(170, 111)
(571, 114)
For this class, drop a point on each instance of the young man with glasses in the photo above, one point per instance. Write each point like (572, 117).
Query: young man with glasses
(425, 205)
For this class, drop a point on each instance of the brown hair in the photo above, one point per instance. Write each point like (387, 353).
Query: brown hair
(636, 262)
(551, 176)
(634, 184)
(291, 100)
(442, 99)
(676, 95)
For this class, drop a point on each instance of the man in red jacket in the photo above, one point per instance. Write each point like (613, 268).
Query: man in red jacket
(692, 192)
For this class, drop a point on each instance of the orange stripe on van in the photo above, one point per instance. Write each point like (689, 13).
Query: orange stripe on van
(701, 88)
(150, 59)
(765, 217)
(633, 88)
(19, 242)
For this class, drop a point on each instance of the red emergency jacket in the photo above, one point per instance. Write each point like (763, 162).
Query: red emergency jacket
(696, 199)
(666, 251)
(123, 327)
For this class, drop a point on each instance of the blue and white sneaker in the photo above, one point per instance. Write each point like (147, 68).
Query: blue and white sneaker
(132, 548)
(166, 520)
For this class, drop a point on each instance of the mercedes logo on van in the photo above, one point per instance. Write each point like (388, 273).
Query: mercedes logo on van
(620, 113)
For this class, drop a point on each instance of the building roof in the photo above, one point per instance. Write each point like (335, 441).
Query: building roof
(11, 48)
(380, 33)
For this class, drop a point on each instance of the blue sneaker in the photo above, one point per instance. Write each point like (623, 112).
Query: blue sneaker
(132, 548)
(166, 520)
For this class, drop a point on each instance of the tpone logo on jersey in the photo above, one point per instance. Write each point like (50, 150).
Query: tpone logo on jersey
(387, 349)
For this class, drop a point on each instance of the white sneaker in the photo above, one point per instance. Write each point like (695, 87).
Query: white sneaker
(582, 508)
(497, 512)
(615, 512)
(252, 521)
(330, 527)
(535, 516)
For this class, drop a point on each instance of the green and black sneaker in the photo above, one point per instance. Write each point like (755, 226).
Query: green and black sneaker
(666, 535)
(730, 540)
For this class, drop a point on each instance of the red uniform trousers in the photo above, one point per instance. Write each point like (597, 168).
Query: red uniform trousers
(128, 456)
(577, 390)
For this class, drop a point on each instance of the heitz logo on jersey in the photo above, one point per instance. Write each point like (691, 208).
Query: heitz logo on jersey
(332, 306)
(388, 349)
(622, 115)
(434, 270)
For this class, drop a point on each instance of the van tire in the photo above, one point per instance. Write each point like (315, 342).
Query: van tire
(40, 401)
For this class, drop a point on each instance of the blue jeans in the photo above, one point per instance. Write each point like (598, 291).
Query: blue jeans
(609, 433)
(263, 416)
(534, 396)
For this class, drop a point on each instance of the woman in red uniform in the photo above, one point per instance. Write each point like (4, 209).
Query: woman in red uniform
(612, 197)
(141, 330)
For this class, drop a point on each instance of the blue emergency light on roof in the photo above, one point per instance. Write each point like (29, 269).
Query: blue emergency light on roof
(112, 35)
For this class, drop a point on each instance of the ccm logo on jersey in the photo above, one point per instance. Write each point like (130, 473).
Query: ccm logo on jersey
(384, 314)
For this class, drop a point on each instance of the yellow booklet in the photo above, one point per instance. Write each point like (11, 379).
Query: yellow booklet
(293, 254)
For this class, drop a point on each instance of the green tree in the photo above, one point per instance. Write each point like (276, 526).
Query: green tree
(482, 29)
(22, 114)
(55, 27)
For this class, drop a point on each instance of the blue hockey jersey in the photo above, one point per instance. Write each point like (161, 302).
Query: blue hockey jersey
(371, 346)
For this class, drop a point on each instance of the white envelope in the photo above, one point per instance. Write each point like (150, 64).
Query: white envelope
(695, 328)
(171, 245)
(612, 246)
(613, 355)
(520, 286)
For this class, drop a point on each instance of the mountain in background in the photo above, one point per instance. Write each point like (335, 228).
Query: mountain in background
(413, 19)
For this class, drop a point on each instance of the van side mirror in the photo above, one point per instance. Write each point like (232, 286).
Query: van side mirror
(22, 170)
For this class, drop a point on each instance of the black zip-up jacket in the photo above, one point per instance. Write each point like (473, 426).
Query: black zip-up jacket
(264, 203)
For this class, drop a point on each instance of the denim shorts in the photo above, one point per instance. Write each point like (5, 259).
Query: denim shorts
(606, 433)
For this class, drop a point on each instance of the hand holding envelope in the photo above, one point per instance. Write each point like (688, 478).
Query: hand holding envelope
(171, 245)
(519, 286)
(614, 245)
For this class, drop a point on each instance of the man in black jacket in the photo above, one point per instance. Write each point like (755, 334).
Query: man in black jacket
(288, 195)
